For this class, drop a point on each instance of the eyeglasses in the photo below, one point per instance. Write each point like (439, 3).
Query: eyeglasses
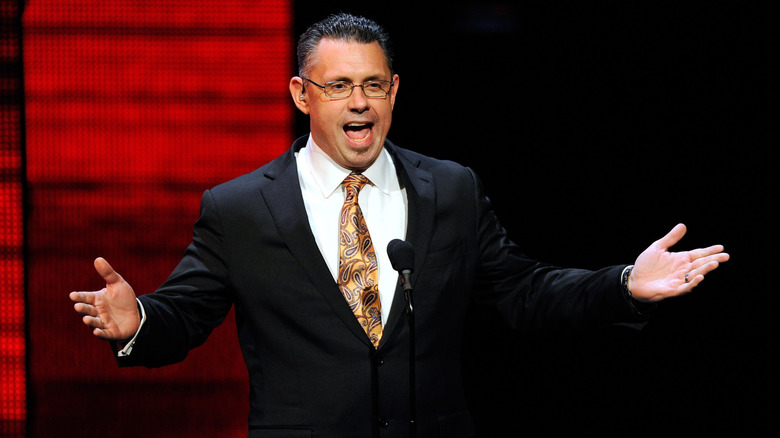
(374, 89)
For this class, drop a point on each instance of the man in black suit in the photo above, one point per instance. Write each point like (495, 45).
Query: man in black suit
(270, 244)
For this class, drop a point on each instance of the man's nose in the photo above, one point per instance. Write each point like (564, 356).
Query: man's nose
(358, 101)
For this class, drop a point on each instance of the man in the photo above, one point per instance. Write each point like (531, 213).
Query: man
(319, 308)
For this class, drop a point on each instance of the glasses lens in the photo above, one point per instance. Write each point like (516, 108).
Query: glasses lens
(338, 89)
(376, 88)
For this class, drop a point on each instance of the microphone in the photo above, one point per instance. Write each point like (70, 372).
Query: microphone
(401, 256)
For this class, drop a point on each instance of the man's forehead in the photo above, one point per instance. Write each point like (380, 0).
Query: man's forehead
(348, 57)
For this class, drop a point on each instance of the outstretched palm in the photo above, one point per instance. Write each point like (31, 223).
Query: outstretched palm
(111, 312)
(659, 273)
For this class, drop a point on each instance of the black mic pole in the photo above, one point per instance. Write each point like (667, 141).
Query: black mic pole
(412, 384)
(401, 256)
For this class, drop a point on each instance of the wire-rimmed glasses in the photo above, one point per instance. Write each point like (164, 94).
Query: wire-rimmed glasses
(375, 89)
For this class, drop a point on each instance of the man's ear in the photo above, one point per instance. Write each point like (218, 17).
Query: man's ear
(394, 90)
(298, 93)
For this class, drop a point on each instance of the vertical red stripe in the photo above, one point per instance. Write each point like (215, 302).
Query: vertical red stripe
(13, 378)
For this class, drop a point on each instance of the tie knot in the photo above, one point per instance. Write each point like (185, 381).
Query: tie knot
(355, 181)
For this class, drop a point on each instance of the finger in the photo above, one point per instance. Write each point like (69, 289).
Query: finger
(704, 269)
(693, 281)
(718, 258)
(106, 271)
(696, 276)
(706, 252)
(82, 297)
(672, 237)
(85, 309)
(94, 322)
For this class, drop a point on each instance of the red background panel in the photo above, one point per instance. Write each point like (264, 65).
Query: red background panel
(13, 373)
(133, 108)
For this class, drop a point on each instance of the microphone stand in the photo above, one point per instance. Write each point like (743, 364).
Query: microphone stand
(410, 319)
(401, 256)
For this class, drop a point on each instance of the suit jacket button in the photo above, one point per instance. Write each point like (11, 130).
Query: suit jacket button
(384, 423)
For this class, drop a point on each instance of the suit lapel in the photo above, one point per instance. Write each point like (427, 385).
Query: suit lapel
(421, 200)
(285, 202)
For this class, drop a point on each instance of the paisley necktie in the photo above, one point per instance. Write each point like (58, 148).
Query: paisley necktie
(358, 272)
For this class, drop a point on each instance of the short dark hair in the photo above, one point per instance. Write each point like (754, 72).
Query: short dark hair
(344, 27)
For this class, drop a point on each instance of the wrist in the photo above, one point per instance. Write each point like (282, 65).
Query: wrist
(641, 308)
(127, 348)
(625, 280)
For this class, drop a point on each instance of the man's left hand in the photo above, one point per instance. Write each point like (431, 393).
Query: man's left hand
(659, 273)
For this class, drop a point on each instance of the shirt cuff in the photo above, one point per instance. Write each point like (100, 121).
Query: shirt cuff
(124, 352)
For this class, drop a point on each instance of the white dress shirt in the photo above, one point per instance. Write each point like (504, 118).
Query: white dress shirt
(382, 201)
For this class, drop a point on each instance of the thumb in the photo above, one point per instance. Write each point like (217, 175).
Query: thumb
(106, 271)
(672, 237)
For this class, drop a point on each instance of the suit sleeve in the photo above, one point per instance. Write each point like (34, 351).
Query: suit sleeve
(193, 301)
(534, 296)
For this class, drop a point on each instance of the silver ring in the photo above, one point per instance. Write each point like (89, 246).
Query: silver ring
(686, 277)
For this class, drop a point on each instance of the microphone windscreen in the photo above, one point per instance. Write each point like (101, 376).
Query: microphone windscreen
(401, 255)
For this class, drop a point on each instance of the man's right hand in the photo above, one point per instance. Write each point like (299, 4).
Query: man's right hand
(112, 312)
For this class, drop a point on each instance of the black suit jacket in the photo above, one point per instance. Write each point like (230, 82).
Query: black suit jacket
(312, 370)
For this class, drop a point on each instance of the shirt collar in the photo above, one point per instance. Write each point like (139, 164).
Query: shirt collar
(328, 175)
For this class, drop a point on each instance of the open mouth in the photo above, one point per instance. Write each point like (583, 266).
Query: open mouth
(358, 131)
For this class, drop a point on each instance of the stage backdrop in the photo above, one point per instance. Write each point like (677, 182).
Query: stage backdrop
(13, 393)
(133, 108)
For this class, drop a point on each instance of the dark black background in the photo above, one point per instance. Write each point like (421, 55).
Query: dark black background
(597, 126)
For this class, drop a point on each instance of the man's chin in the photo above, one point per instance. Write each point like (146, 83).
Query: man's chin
(359, 158)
